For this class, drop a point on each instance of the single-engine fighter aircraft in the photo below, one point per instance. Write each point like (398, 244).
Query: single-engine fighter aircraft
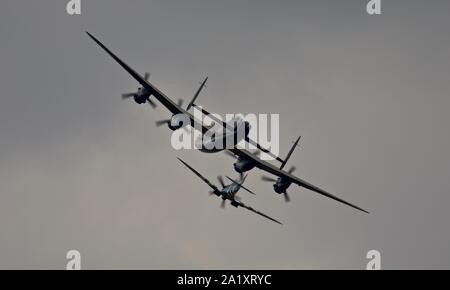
(228, 192)
(246, 160)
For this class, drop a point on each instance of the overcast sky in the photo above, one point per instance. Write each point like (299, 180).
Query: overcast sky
(82, 169)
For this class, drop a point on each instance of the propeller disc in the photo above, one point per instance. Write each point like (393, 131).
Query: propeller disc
(230, 154)
(128, 95)
(268, 179)
(286, 197)
(151, 103)
(220, 179)
(162, 122)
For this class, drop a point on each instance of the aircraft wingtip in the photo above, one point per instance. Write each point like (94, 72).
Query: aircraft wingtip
(363, 210)
(90, 35)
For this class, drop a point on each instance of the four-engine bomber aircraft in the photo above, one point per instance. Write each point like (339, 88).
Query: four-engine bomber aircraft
(228, 192)
(246, 160)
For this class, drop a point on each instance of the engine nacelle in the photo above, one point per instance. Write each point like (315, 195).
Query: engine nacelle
(243, 165)
(281, 186)
(141, 96)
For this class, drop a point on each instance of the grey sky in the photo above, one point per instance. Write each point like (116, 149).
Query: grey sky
(81, 169)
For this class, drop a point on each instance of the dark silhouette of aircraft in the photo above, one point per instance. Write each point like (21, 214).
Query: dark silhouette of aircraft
(246, 160)
(142, 95)
(228, 192)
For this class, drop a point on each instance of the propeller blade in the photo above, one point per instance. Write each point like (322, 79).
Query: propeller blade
(180, 102)
(220, 179)
(162, 122)
(292, 169)
(151, 103)
(269, 179)
(211, 192)
(128, 95)
(286, 197)
(230, 154)
(146, 76)
(222, 204)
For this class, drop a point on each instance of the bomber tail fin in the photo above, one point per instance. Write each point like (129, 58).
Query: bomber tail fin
(202, 85)
(290, 153)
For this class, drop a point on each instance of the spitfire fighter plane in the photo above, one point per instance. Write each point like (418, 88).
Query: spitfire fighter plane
(245, 159)
(228, 192)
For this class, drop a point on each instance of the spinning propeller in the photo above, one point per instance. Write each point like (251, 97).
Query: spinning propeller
(167, 121)
(271, 179)
(220, 179)
(136, 94)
